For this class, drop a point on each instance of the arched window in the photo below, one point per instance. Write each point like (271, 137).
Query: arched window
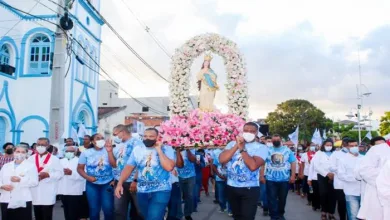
(5, 55)
(39, 54)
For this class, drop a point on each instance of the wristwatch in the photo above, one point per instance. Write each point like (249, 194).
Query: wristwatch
(243, 150)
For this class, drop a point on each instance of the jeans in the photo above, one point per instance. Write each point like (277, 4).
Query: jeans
(152, 205)
(223, 202)
(174, 206)
(243, 201)
(353, 206)
(100, 196)
(121, 205)
(197, 187)
(277, 195)
(187, 188)
(263, 196)
(327, 194)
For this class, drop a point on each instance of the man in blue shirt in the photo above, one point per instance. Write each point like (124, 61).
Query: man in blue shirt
(118, 157)
(243, 158)
(280, 171)
(185, 163)
(154, 162)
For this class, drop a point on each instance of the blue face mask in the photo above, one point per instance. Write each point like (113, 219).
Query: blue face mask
(354, 150)
(312, 148)
(117, 140)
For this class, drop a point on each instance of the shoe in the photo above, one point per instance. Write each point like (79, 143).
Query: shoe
(265, 213)
(216, 202)
(230, 214)
(188, 218)
(222, 211)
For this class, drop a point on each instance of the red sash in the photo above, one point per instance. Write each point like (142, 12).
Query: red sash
(44, 162)
(310, 155)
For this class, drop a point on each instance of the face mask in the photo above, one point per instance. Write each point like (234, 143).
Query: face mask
(269, 145)
(328, 148)
(354, 150)
(345, 150)
(312, 148)
(248, 137)
(149, 143)
(9, 151)
(69, 155)
(276, 143)
(20, 156)
(117, 140)
(100, 143)
(41, 149)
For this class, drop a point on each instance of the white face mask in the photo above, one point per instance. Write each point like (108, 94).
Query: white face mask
(328, 148)
(269, 145)
(100, 143)
(69, 155)
(20, 156)
(248, 137)
(41, 149)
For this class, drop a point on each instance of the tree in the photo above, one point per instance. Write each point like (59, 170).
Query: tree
(340, 128)
(289, 114)
(384, 127)
(355, 135)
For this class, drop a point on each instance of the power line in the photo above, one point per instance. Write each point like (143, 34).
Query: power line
(135, 99)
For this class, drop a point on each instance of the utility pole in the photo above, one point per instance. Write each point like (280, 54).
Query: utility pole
(57, 99)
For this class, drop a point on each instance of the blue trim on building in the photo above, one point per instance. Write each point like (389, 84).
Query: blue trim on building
(38, 30)
(28, 118)
(89, 9)
(11, 42)
(10, 112)
(84, 104)
(86, 29)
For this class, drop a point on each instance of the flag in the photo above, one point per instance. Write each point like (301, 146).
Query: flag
(74, 136)
(317, 139)
(324, 135)
(368, 135)
(294, 136)
(82, 131)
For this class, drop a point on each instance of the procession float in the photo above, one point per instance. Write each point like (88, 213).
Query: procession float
(206, 127)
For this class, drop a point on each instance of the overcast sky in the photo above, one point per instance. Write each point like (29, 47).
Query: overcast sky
(305, 49)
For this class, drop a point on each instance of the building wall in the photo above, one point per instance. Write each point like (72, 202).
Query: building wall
(106, 125)
(25, 98)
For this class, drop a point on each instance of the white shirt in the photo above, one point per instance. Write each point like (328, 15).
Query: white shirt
(322, 163)
(383, 184)
(28, 175)
(346, 173)
(312, 173)
(46, 191)
(369, 169)
(335, 161)
(305, 160)
(74, 184)
(174, 176)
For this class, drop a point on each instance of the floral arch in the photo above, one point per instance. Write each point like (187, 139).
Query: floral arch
(235, 68)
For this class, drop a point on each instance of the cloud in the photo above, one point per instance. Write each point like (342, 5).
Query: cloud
(291, 51)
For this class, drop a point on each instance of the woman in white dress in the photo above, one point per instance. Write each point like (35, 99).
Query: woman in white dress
(16, 179)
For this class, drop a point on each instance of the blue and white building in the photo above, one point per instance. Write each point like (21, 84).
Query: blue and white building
(26, 50)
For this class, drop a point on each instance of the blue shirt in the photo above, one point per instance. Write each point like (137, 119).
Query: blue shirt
(221, 169)
(279, 164)
(151, 175)
(97, 165)
(122, 153)
(238, 174)
(188, 170)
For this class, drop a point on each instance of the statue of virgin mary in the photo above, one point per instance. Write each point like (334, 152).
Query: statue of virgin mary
(207, 85)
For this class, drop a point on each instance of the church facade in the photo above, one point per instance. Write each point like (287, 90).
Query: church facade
(27, 43)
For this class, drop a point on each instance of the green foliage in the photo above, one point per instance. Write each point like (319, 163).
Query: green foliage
(384, 127)
(342, 128)
(355, 135)
(289, 114)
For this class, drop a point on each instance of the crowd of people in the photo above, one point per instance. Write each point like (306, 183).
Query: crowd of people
(132, 178)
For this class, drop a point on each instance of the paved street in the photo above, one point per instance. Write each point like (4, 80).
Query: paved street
(296, 210)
